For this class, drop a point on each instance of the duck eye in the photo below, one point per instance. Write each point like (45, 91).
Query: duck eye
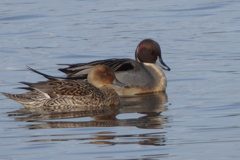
(151, 51)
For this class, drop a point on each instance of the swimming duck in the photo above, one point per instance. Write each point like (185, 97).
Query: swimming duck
(142, 75)
(60, 93)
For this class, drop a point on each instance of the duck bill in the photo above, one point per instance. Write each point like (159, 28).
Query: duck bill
(117, 82)
(161, 64)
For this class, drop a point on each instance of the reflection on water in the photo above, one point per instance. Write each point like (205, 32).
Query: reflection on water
(148, 105)
(109, 138)
(151, 103)
(155, 139)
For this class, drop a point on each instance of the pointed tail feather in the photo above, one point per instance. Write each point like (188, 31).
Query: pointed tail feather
(44, 75)
(11, 96)
(7, 94)
(28, 99)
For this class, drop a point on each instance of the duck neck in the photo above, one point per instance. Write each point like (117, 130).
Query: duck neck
(111, 94)
(158, 76)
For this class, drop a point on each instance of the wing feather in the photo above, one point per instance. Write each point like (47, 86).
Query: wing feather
(81, 70)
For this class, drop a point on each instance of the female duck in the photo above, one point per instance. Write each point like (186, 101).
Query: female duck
(141, 75)
(59, 93)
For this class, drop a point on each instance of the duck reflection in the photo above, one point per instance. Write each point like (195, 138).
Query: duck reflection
(148, 105)
(151, 104)
(112, 138)
(156, 139)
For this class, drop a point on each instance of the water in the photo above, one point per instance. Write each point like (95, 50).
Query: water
(197, 118)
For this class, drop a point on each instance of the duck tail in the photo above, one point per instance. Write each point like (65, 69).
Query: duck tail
(11, 96)
(44, 75)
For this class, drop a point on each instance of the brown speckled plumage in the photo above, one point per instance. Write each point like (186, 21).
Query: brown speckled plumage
(57, 93)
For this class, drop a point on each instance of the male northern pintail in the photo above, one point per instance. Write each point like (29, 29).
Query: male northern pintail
(60, 93)
(141, 75)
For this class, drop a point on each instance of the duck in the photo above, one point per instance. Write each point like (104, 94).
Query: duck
(142, 75)
(60, 93)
